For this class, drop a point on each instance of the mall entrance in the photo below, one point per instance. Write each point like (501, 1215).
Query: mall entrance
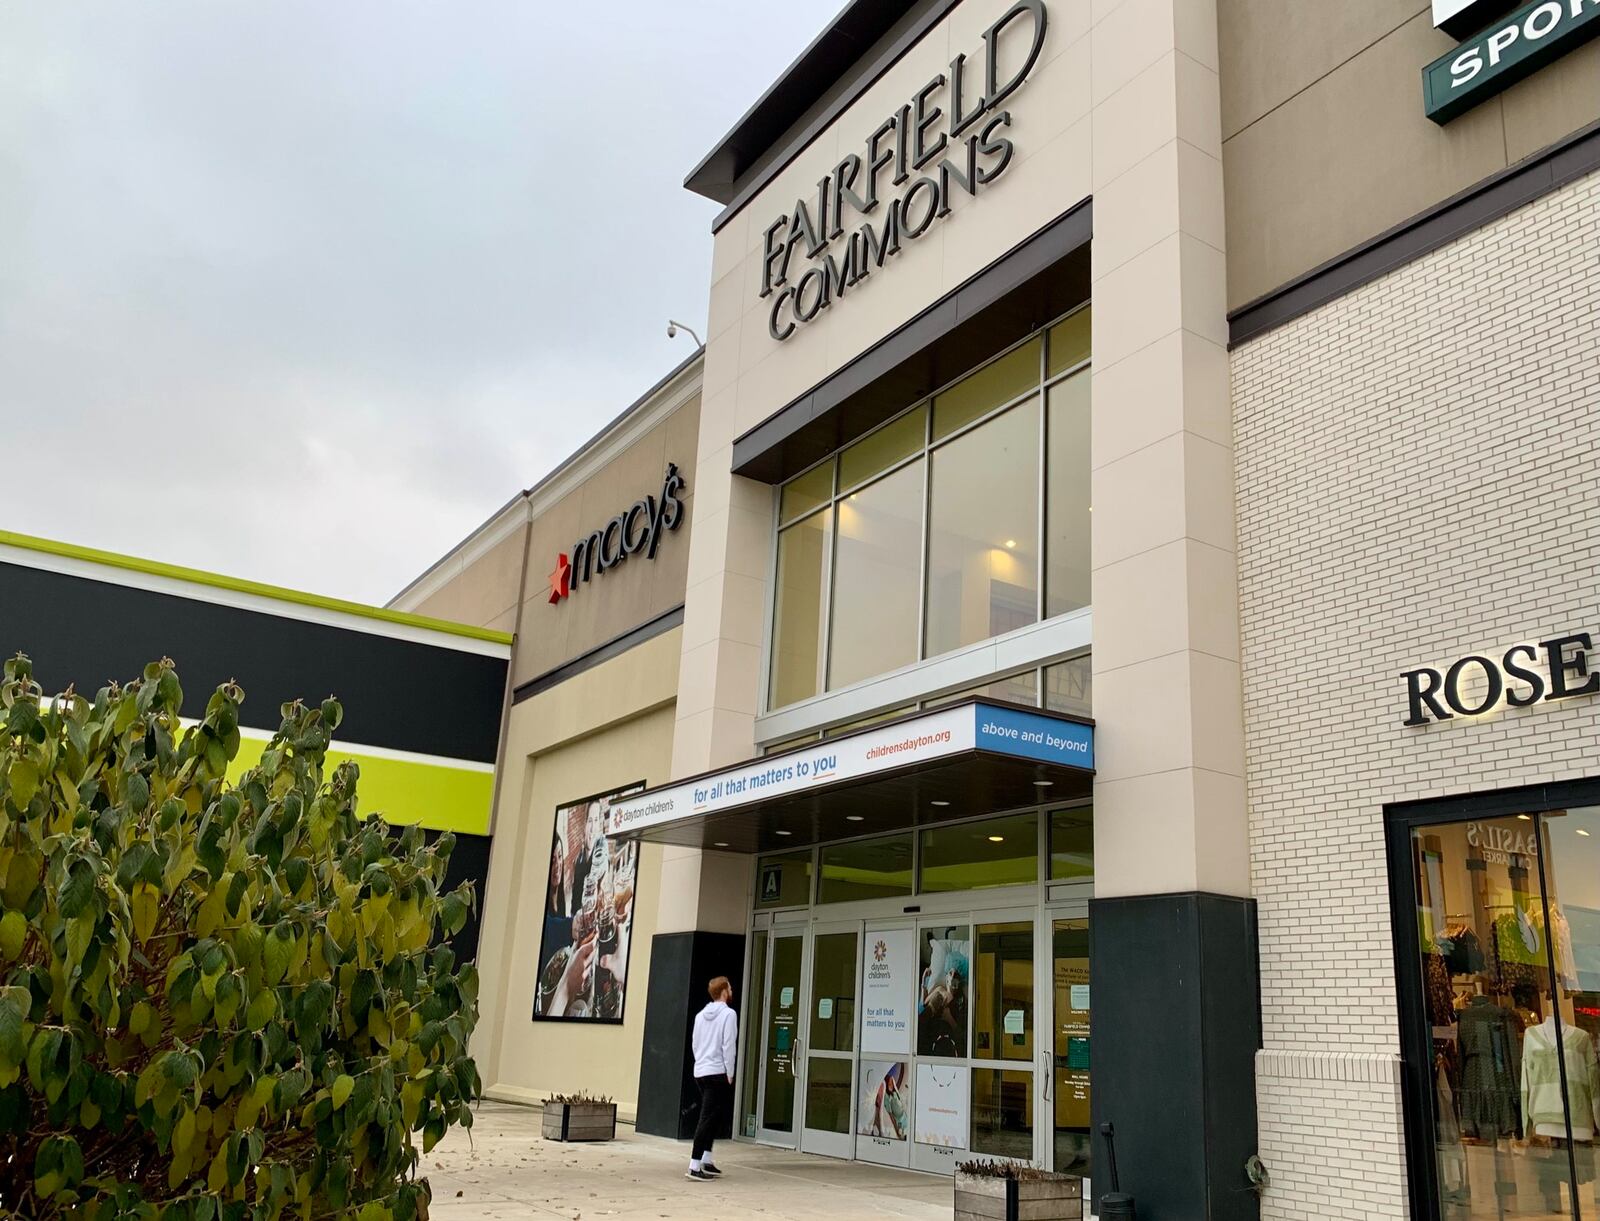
(944, 1021)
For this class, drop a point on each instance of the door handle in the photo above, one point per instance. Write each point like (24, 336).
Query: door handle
(1048, 1063)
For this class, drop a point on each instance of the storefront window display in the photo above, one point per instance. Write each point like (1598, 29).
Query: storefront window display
(588, 916)
(1506, 925)
(961, 519)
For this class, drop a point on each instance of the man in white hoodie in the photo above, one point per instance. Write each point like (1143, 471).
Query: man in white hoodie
(716, 1044)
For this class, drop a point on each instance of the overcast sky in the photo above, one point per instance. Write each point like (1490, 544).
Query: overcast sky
(303, 291)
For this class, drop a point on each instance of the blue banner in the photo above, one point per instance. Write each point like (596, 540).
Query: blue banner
(1031, 735)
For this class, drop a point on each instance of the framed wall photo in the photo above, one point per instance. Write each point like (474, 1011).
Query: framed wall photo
(587, 919)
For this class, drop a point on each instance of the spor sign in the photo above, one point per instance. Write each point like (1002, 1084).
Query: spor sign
(1505, 52)
(990, 727)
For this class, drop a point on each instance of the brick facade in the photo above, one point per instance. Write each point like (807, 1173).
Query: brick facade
(1418, 471)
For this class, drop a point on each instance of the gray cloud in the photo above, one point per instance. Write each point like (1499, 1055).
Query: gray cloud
(303, 291)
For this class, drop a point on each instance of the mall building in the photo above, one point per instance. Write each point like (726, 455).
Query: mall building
(1123, 574)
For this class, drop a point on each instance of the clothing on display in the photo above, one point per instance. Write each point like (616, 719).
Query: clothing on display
(1462, 951)
(1542, 1109)
(1489, 1065)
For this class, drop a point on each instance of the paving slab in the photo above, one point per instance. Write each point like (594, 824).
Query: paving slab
(503, 1170)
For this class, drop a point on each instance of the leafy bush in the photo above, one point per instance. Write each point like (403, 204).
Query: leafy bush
(221, 1000)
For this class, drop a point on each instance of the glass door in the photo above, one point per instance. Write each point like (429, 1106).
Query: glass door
(1004, 1105)
(780, 1063)
(888, 991)
(941, 1088)
(1067, 1059)
(830, 1045)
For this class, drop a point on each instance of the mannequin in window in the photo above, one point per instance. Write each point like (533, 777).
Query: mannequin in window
(1542, 1112)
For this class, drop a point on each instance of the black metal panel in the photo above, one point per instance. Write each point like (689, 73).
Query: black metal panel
(681, 965)
(1038, 280)
(1174, 1032)
(396, 693)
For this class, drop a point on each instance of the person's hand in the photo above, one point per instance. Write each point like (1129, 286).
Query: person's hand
(574, 978)
(730, 1078)
(624, 900)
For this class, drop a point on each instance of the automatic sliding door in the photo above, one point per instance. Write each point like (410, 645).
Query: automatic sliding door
(830, 1048)
(1003, 1083)
(888, 991)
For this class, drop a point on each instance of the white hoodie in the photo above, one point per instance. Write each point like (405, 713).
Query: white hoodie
(716, 1040)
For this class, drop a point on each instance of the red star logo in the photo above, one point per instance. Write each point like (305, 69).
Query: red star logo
(560, 579)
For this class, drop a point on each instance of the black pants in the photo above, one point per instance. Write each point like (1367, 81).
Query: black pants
(716, 1093)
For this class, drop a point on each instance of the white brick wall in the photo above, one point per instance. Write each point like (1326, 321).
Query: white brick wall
(1418, 478)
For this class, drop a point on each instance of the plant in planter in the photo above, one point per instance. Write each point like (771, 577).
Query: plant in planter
(1013, 1191)
(579, 1116)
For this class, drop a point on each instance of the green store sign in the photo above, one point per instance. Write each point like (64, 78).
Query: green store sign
(1504, 53)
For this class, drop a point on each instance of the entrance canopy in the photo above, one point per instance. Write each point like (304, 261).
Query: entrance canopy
(970, 758)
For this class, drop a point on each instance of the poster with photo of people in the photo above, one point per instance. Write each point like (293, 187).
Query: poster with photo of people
(884, 1109)
(943, 990)
(588, 915)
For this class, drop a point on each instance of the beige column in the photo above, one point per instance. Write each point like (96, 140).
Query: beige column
(1170, 804)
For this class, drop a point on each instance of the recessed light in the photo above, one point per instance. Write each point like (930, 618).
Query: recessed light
(1011, 542)
(854, 817)
(997, 839)
(1043, 784)
(721, 843)
(1525, 817)
(939, 803)
(785, 832)
(1581, 831)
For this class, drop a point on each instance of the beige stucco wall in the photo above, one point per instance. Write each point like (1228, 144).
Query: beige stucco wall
(1325, 140)
(1124, 105)
(635, 591)
(1416, 483)
(604, 728)
(484, 591)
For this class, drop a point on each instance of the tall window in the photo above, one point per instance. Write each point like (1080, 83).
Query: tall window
(963, 518)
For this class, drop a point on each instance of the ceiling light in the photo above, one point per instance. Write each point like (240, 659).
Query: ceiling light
(1581, 831)
(721, 843)
(785, 832)
(853, 817)
(1011, 542)
(939, 803)
(997, 839)
(1043, 784)
(1525, 817)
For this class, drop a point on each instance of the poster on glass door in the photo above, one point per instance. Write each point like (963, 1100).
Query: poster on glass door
(884, 1108)
(943, 990)
(886, 991)
(941, 1105)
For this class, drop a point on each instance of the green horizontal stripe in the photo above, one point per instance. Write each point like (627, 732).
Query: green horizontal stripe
(239, 585)
(432, 795)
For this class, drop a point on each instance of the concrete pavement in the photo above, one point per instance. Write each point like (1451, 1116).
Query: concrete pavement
(503, 1170)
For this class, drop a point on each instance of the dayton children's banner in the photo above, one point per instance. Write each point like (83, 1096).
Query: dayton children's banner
(588, 916)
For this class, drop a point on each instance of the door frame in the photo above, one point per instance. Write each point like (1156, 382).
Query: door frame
(781, 930)
(812, 1140)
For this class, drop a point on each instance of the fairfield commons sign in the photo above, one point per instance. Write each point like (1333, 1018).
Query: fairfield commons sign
(947, 137)
(1505, 52)
(637, 530)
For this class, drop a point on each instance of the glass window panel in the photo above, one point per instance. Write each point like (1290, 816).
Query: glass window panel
(894, 442)
(863, 722)
(833, 993)
(1071, 987)
(800, 739)
(752, 1023)
(983, 532)
(1067, 497)
(1002, 992)
(975, 855)
(1017, 689)
(874, 624)
(1002, 1113)
(803, 556)
(1069, 687)
(944, 989)
(866, 869)
(1068, 342)
(1072, 844)
(1496, 1028)
(982, 390)
(828, 1094)
(806, 492)
(783, 881)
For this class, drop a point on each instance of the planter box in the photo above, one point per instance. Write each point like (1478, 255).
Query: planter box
(580, 1120)
(1053, 1197)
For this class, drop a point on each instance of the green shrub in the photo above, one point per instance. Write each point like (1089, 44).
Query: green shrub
(221, 1000)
